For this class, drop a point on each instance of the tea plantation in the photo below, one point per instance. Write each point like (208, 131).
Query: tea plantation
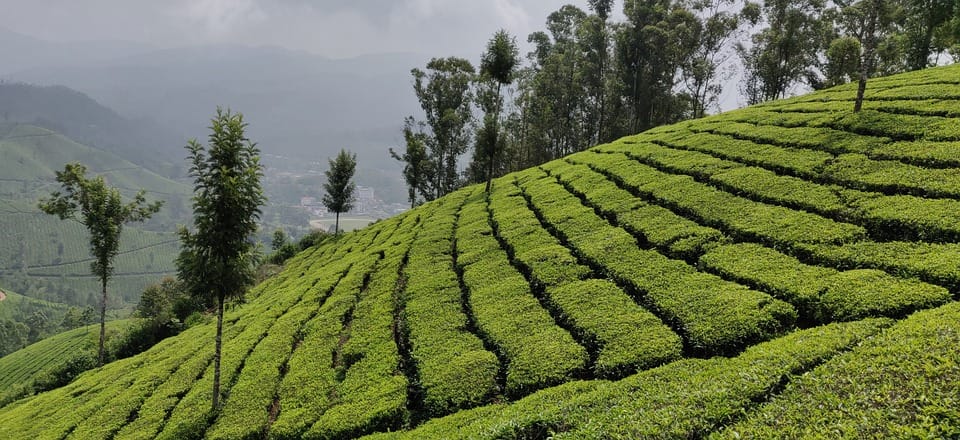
(787, 270)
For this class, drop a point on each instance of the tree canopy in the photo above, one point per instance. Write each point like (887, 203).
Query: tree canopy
(340, 189)
(217, 258)
(101, 210)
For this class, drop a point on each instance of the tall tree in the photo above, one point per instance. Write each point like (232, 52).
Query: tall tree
(444, 94)
(556, 100)
(596, 41)
(786, 51)
(217, 259)
(497, 64)
(717, 24)
(927, 29)
(651, 46)
(870, 23)
(101, 210)
(418, 169)
(340, 188)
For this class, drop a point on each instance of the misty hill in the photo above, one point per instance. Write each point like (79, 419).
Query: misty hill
(297, 103)
(781, 271)
(83, 119)
(20, 52)
(44, 257)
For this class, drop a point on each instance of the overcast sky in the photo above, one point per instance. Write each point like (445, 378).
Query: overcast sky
(334, 28)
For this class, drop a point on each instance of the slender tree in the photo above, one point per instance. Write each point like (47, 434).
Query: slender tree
(101, 210)
(868, 23)
(927, 29)
(340, 188)
(598, 45)
(444, 94)
(717, 24)
(279, 239)
(418, 169)
(786, 51)
(498, 64)
(217, 258)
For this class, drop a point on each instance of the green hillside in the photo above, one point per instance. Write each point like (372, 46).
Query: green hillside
(15, 306)
(22, 366)
(786, 270)
(45, 257)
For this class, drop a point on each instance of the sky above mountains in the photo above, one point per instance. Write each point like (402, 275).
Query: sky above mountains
(333, 28)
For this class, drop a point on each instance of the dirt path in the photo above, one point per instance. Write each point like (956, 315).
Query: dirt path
(3, 296)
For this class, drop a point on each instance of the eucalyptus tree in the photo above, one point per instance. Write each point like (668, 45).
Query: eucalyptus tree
(556, 103)
(418, 169)
(786, 51)
(595, 38)
(217, 259)
(101, 210)
(497, 64)
(931, 27)
(444, 94)
(718, 24)
(651, 46)
(339, 190)
(871, 23)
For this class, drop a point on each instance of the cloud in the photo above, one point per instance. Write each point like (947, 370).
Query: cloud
(221, 17)
(511, 14)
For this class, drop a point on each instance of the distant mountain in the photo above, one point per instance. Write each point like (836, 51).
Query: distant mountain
(83, 119)
(20, 52)
(296, 103)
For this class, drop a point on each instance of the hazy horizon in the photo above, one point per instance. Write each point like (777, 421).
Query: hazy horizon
(335, 29)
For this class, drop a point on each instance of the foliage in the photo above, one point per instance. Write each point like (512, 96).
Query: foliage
(418, 169)
(339, 190)
(444, 94)
(498, 65)
(101, 210)
(216, 262)
(278, 239)
(911, 368)
(785, 51)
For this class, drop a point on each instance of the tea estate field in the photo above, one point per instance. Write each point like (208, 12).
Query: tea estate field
(787, 270)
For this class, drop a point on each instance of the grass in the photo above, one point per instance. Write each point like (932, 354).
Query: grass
(786, 270)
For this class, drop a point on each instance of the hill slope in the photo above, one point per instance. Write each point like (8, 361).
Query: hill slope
(21, 367)
(44, 257)
(752, 274)
(79, 117)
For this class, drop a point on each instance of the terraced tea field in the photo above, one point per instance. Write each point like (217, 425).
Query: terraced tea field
(786, 270)
(23, 365)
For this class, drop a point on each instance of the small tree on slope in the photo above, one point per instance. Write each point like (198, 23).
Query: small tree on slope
(101, 209)
(217, 259)
(339, 187)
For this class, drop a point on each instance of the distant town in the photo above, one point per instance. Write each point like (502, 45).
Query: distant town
(366, 209)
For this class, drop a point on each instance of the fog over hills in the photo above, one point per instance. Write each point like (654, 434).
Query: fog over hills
(299, 105)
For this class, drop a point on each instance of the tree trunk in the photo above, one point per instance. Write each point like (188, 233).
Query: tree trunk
(216, 356)
(103, 321)
(336, 226)
(603, 83)
(869, 53)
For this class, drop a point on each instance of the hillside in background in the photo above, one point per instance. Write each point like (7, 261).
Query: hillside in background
(301, 106)
(77, 116)
(786, 270)
(22, 368)
(24, 320)
(44, 257)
